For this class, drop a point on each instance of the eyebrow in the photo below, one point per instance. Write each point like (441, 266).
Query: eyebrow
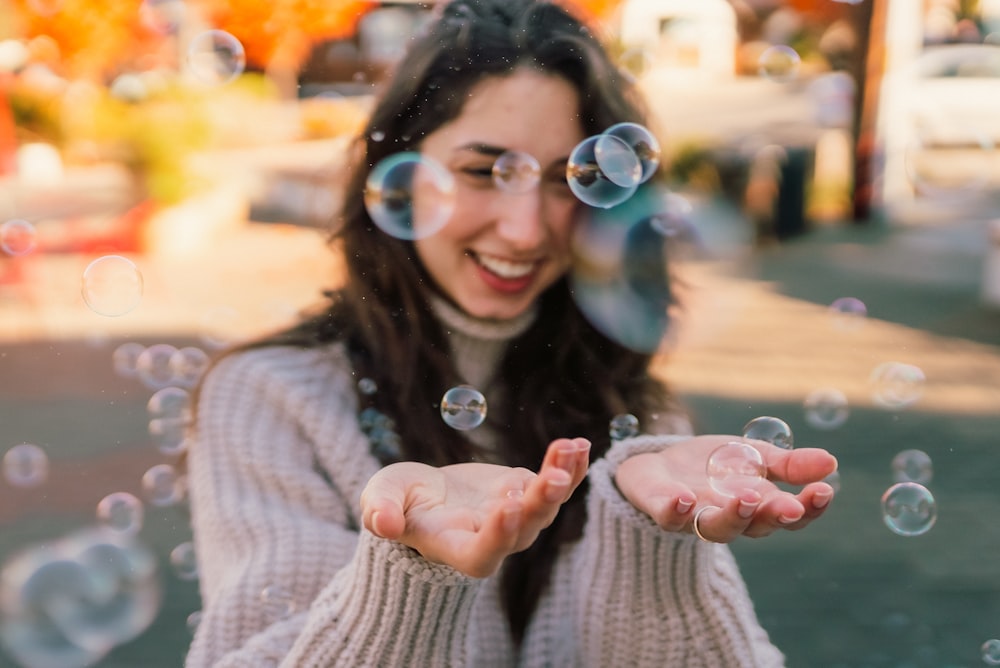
(497, 151)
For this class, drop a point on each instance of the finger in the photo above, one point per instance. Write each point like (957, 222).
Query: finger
(798, 467)
(671, 506)
(780, 511)
(570, 455)
(722, 524)
(382, 503)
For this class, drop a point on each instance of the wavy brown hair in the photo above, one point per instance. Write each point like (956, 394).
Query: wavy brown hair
(563, 378)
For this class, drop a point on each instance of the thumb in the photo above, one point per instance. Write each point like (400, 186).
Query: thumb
(382, 503)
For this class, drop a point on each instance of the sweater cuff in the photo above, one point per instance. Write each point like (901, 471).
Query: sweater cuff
(602, 479)
(390, 607)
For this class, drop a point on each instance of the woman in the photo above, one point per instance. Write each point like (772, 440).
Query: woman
(458, 554)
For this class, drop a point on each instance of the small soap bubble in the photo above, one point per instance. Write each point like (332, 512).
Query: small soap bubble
(624, 426)
(848, 313)
(367, 386)
(25, 465)
(184, 561)
(826, 408)
(912, 466)
(112, 285)
(463, 407)
(896, 384)
(410, 196)
(833, 480)
(216, 57)
(193, 621)
(153, 366)
(188, 365)
(849, 2)
(161, 485)
(771, 429)
(121, 512)
(779, 63)
(125, 359)
(589, 182)
(643, 144)
(908, 509)
(378, 136)
(990, 652)
(169, 435)
(170, 402)
(734, 468)
(516, 172)
(17, 237)
(617, 160)
(635, 62)
(277, 601)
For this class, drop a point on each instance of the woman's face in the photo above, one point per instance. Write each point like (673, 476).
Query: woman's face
(501, 249)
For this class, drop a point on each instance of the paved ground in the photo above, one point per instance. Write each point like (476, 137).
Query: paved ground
(757, 339)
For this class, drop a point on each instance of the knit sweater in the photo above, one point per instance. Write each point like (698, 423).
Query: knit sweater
(290, 578)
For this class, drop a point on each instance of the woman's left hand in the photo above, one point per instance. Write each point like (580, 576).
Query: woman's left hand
(672, 486)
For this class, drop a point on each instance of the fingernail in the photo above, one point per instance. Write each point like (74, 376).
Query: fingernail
(511, 519)
(822, 500)
(684, 505)
(582, 445)
(746, 509)
(785, 519)
(555, 490)
(375, 523)
(564, 457)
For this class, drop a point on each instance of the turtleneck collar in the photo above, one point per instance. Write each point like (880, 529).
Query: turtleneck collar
(456, 321)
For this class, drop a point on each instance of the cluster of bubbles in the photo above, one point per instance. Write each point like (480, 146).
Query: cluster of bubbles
(160, 365)
(112, 285)
(606, 169)
(68, 603)
(463, 407)
(908, 507)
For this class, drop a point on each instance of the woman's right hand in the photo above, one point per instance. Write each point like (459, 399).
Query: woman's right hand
(471, 516)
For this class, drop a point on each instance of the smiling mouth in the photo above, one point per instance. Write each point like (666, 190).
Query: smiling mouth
(502, 268)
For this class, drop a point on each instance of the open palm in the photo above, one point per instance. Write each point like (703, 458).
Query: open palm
(471, 516)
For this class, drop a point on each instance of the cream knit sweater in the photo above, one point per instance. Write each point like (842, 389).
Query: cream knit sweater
(288, 578)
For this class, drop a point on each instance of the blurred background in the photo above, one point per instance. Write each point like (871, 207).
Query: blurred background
(167, 172)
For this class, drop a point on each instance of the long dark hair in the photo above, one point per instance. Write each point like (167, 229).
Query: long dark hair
(562, 377)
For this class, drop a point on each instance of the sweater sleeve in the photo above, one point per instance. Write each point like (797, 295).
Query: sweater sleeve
(266, 518)
(652, 598)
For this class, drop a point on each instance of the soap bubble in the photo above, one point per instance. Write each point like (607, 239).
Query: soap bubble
(588, 181)
(635, 62)
(624, 426)
(409, 195)
(17, 237)
(642, 143)
(112, 285)
(125, 359)
(826, 408)
(771, 429)
(170, 402)
(25, 465)
(848, 313)
(188, 364)
(216, 57)
(153, 366)
(516, 172)
(161, 485)
(617, 160)
(277, 601)
(193, 621)
(908, 509)
(833, 480)
(67, 603)
(185, 561)
(121, 512)
(779, 63)
(621, 276)
(912, 466)
(463, 407)
(367, 386)
(170, 413)
(990, 652)
(734, 468)
(896, 385)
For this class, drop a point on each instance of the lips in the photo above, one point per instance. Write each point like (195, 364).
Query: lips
(504, 275)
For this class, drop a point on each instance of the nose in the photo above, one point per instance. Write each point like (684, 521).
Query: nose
(520, 220)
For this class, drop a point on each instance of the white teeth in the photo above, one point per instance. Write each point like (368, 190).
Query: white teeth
(505, 268)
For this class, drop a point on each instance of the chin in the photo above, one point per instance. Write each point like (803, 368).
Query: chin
(496, 311)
